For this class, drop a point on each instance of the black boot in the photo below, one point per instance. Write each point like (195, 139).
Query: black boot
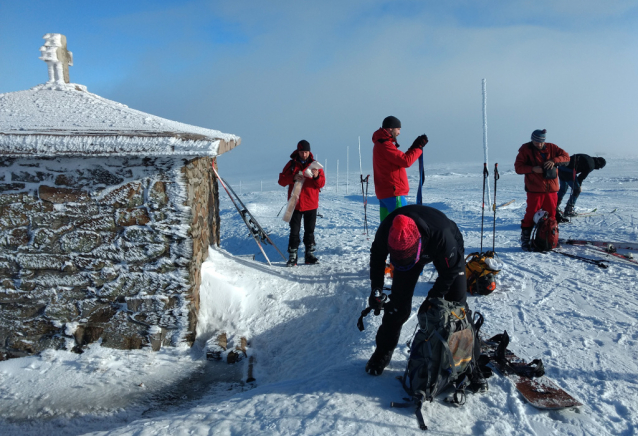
(569, 210)
(560, 218)
(526, 233)
(309, 257)
(378, 362)
(292, 257)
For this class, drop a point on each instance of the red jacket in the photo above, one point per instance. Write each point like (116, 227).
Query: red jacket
(530, 157)
(309, 196)
(389, 164)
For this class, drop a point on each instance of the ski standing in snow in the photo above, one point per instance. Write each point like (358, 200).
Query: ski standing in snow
(537, 160)
(310, 183)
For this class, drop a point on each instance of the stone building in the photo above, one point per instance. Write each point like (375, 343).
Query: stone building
(106, 215)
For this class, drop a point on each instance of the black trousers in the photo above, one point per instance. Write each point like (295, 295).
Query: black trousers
(398, 310)
(309, 220)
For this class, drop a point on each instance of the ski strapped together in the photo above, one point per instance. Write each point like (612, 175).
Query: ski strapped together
(256, 231)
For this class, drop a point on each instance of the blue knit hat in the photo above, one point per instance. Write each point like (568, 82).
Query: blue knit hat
(539, 135)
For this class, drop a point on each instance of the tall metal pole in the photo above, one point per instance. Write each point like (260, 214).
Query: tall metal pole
(485, 133)
(347, 167)
(337, 190)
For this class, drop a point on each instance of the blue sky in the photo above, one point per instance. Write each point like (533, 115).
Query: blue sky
(275, 72)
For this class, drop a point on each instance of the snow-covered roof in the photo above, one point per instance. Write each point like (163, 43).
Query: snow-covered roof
(64, 119)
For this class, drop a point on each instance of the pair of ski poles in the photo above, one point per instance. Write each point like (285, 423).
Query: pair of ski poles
(486, 174)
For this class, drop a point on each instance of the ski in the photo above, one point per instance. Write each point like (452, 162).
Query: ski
(597, 262)
(604, 247)
(506, 204)
(538, 390)
(592, 213)
(604, 244)
(256, 231)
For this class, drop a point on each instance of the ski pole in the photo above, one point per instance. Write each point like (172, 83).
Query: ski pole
(485, 175)
(282, 208)
(496, 177)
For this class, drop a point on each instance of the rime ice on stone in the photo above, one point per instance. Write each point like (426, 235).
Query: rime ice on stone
(57, 57)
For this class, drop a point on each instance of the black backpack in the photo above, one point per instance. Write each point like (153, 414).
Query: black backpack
(444, 352)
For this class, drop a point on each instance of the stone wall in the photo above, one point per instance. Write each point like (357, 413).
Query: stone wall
(104, 249)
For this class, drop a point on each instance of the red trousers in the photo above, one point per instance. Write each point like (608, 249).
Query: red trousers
(539, 200)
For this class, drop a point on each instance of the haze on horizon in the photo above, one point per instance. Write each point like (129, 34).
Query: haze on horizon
(329, 72)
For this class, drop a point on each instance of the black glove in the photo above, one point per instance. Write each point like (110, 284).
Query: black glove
(420, 141)
(376, 300)
(425, 306)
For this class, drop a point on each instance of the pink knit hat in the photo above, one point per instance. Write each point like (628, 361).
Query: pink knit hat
(403, 240)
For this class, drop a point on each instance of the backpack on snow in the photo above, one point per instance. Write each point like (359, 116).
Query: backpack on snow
(480, 269)
(545, 233)
(444, 352)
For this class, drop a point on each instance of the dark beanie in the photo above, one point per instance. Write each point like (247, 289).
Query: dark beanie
(391, 123)
(303, 145)
(539, 135)
(599, 162)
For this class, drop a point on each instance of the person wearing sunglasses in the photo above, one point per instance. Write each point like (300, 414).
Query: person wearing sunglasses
(413, 236)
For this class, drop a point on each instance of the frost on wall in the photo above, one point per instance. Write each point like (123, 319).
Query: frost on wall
(102, 249)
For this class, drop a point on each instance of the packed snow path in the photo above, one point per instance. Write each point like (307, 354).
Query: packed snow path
(301, 324)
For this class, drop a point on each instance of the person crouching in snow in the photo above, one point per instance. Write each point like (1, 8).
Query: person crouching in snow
(573, 175)
(414, 236)
(389, 164)
(308, 203)
(537, 160)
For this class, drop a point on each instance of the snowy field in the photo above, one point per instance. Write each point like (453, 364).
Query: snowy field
(581, 320)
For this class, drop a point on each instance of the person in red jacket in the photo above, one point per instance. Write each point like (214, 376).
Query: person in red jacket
(538, 161)
(308, 202)
(389, 164)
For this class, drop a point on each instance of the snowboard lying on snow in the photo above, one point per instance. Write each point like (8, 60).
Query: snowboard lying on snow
(539, 390)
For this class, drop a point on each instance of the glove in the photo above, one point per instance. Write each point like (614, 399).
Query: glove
(426, 305)
(420, 142)
(377, 300)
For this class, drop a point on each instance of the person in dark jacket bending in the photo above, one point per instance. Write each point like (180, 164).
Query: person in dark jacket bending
(572, 175)
(414, 236)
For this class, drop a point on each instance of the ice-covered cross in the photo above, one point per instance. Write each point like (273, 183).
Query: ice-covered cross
(57, 57)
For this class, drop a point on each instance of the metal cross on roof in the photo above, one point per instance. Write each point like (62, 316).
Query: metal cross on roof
(57, 57)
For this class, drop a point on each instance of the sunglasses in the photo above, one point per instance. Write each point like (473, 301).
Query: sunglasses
(398, 267)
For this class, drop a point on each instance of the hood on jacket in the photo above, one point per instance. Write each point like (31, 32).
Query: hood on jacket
(382, 136)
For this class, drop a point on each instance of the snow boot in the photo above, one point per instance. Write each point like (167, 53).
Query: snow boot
(560, 218)
(378, 362)
(569, 210)
(526, 233)
(292, 257)
(309, 257)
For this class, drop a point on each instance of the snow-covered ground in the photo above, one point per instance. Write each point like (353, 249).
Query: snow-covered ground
(309, 355)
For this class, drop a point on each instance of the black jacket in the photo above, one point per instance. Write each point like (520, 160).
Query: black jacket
(441, 244)
(583, 163)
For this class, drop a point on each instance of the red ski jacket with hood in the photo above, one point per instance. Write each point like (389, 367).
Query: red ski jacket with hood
(389, 164)
(529, 157)
(309, 196)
